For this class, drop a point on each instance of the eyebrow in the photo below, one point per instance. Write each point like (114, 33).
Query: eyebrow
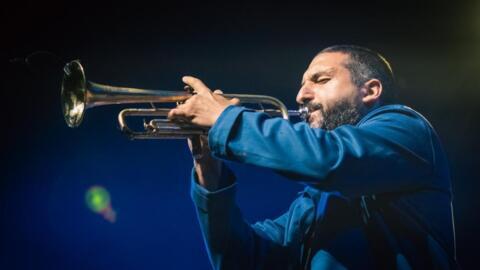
(319, 74)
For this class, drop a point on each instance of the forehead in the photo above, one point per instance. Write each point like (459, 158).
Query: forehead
(330, 61)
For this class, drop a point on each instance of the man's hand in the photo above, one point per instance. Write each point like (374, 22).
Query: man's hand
(208, 168)
(203, 108)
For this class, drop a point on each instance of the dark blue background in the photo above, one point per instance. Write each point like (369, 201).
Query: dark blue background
(247, 48)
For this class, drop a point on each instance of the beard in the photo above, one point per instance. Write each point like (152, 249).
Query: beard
(342, 113)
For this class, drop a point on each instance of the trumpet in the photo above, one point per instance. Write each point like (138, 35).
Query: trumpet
(78, 95)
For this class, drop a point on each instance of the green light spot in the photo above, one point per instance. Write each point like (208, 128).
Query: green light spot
(97, 199)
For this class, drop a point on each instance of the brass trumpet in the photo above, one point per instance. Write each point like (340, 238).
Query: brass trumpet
(78, 95)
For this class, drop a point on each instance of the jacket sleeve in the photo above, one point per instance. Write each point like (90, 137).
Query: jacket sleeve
(231, 242)
(390, 150)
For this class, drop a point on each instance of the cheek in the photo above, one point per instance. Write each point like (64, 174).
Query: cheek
(328, 94)
(336, 91)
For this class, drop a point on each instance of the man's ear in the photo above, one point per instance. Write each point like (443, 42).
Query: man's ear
(371, 92)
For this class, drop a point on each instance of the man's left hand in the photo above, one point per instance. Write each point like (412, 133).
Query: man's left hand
(204, 107)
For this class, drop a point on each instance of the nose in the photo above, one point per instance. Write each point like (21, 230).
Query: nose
(305, 94)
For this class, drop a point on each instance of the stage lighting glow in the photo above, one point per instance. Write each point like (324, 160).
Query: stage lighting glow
(98, 200)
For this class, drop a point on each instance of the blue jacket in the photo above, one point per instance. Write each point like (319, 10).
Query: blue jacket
(392, 152)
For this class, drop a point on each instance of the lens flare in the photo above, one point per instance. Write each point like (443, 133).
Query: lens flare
(98, 200)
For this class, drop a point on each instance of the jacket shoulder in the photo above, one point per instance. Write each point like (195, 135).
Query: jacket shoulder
(395, 112)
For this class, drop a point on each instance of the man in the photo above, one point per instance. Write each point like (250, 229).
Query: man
(378, 189)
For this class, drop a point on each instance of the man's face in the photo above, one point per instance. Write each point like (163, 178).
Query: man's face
(329, 93)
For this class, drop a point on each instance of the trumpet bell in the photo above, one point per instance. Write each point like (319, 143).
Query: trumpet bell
(73, 93)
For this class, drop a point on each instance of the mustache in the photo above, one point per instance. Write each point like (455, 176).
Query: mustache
(307, 108)
(310, 107)
(313, 106)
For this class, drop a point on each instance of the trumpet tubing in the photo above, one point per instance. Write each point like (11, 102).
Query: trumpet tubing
(78, 95)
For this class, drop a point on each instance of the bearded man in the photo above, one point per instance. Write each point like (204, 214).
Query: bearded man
(378, 191)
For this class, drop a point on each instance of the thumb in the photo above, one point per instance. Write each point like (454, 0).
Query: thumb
(234, 101)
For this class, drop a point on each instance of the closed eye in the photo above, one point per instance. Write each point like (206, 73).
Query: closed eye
(320, 77)
(323, 80)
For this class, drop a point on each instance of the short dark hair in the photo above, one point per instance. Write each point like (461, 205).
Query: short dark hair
(365, 64)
